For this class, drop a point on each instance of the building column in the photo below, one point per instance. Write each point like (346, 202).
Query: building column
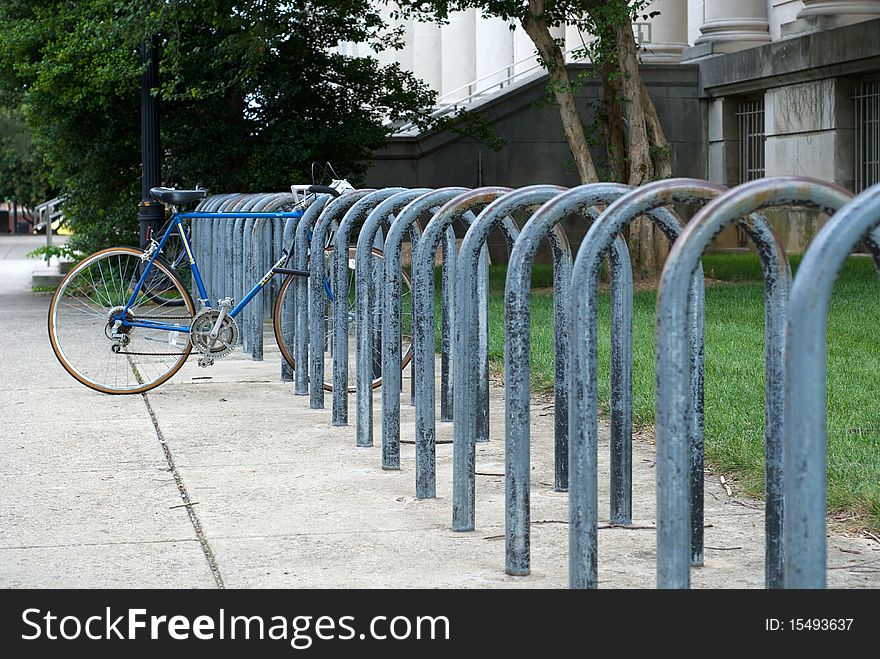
(730, 26)
(426, 54)
(494, 51)
(404, 56)
(666, 36)
(459, 56)
(851, 11)
(829, 14)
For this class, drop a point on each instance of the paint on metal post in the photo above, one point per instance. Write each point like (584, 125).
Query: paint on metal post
(318, 300)
(406, 223)
(671, 429)
(288, 328)
(341, 304)
(423, 279)
(364, 303)
(805, 441)
(448, 274)
(471, 400)
(544, 223)
(301, 298)
(648, 200)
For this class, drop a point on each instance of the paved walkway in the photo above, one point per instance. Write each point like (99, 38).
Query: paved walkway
(222, 476)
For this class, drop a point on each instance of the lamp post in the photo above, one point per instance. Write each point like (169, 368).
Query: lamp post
(151, 213)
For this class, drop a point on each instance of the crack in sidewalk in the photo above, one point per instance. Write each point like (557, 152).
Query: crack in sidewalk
(184, 495)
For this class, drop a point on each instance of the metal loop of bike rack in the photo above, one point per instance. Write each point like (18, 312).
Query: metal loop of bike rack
(370, 304)
(459, 207)
(544, 223)
(405, 222)
(805, 431)
(671, 431)
(650, 201)
(794, 343)
(301, 292)
(354, 217)
(332, 214)
(471, 376)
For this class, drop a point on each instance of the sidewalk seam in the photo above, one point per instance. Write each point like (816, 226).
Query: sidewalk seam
(184, 495)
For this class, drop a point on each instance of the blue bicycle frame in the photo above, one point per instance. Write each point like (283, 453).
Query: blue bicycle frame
(176, 222)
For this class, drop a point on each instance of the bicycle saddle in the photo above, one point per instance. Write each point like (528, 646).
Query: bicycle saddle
(176, 197)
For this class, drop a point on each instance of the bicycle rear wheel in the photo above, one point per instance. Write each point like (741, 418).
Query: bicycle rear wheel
(81, 320)
(284, 324)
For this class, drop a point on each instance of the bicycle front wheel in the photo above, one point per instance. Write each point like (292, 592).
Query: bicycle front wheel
(89, 342)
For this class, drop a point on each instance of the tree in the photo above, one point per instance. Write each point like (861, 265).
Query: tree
(22, 171)
(252, 92)
(635, 146)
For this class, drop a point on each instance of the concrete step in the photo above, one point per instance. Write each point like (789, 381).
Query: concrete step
(51, 274)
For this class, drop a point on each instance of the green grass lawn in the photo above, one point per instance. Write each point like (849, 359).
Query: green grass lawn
(734, 391)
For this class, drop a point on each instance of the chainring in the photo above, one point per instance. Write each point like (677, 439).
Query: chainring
(200, 331)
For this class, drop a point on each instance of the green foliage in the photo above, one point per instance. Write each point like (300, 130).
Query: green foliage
(64, 252)
(251, 93)
(22, 170)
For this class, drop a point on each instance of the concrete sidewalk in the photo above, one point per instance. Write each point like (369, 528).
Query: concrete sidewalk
(223, 477)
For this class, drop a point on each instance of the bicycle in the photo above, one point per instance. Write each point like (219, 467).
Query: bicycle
(118, 303)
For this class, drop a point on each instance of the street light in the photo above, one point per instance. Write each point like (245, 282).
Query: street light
(151, 213)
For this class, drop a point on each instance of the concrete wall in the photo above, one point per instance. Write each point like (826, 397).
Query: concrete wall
(537, 151)
(807, 83)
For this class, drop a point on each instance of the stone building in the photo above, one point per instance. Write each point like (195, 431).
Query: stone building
(744, 89)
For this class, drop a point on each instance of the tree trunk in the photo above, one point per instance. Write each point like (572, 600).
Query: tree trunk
(638, 151)
(615, 136)
(661, 153)
(539, 32)
(648, 155)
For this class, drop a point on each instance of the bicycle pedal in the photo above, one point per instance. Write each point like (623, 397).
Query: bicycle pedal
(205, 361)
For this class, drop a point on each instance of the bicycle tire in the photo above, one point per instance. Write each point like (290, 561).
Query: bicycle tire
(91, 312)
(278, 323)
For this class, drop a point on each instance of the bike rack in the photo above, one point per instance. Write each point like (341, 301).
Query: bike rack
(301, 292)
(471, 376)
(263, 255)
(424, 257)
(405, 222)
(318, 302)
(671, 431)
(287, 237)
(805, 432)
(583, 416)
(368, 302)
(544, 223)
(354, 217)
(794, 343)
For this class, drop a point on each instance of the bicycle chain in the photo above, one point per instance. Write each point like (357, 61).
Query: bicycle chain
(153, 354)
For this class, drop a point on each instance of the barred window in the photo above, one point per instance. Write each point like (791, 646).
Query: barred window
(750, 117)
(866, 103)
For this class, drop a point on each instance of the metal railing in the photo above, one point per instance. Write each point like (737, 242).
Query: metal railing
(450, 102)
(866, 104)
(46, 214)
